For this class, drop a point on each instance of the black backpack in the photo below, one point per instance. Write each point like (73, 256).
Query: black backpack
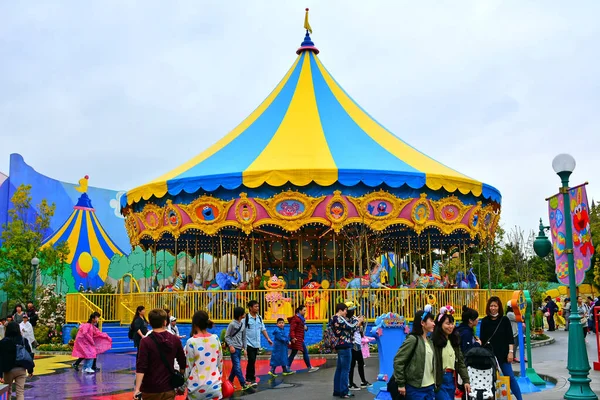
(131, 332)
(248, 320)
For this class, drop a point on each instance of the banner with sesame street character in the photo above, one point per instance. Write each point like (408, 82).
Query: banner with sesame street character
(578, 217)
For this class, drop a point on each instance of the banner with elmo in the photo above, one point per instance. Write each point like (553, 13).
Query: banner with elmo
(579, 218)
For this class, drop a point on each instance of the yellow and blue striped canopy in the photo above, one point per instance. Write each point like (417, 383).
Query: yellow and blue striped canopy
(309, 130)
(87, 240)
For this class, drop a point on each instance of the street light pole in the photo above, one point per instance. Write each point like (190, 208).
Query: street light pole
(577, 363)
(34, 263)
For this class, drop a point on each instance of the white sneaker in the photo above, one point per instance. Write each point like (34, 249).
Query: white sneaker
(313, 369)
(89, 371)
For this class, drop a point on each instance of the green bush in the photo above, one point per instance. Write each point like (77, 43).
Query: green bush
(539, 320)
(74, 333)
(55, 347)
(41, 334)
(540, 336)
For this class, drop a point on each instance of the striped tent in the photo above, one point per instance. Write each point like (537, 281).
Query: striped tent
(309, 131)
(91, 247)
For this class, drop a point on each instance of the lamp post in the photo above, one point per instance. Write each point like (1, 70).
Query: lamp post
(577, 363)
(34, 263)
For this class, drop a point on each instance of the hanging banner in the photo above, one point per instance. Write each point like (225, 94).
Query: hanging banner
(578, 217)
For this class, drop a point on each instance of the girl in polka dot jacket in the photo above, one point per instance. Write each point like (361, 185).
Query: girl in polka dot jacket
(204, 360)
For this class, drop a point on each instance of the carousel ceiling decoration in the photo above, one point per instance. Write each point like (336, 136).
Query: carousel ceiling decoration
(292, 210)
(309, 133)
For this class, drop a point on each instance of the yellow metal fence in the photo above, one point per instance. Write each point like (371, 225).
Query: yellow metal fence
(320, 304)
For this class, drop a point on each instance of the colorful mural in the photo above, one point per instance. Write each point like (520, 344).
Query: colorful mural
(95, 233)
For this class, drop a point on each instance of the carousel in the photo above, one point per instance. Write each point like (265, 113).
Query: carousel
(310, 192)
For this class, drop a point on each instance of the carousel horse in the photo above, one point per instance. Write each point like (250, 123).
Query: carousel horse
(224, 281)
(466, 282)
(370, 281)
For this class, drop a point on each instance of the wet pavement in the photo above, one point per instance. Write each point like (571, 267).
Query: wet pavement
(55, 379)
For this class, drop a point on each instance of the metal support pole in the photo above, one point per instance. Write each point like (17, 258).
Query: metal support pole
(577, 362)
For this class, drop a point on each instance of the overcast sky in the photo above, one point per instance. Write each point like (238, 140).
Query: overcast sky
(125, 91)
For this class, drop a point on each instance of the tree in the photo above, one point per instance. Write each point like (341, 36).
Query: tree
(524, 267)
(22, 238)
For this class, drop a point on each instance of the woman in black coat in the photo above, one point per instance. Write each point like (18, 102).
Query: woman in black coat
(496, 332)
(139, 327)
(13, 370)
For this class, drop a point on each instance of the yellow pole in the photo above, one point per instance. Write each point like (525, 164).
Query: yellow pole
(221, 251)
(429, 246)
(252, 256)
(187, 251)
(410, 266)
(260, 259)
(175, 265)
(334, 257)
(300, 263)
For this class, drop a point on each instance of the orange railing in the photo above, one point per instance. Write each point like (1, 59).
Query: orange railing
(274, 304)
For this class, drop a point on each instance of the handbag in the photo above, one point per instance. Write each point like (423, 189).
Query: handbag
(392, 386)
(177, 379)
(23, 358)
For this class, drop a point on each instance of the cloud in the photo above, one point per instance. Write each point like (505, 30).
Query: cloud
(128, 90)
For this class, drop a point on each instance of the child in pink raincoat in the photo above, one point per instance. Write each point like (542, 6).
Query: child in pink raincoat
(90, 342)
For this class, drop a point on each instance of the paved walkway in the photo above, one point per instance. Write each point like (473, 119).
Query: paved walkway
(55, 378)
(552, 361)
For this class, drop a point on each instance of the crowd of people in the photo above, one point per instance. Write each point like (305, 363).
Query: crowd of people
(165, 368)
(430, 363)
(557, 312)
(433, 353)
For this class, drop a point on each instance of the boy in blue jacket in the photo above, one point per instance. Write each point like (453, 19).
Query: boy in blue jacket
(280, 347)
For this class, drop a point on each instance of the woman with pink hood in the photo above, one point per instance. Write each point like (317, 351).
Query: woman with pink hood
(90, 342)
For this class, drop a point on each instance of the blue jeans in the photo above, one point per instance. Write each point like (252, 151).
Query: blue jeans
(87, 363)
(424, 393)
(448, 387)
(236, 367)
(342, 371)
(514, 386)
(304, 355)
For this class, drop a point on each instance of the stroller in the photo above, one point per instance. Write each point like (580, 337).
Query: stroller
(482, 367)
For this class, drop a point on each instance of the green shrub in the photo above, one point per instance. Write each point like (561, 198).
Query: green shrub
(41, 334)
(55, 347)
(539, 320)
(74, 333)
(540, 336)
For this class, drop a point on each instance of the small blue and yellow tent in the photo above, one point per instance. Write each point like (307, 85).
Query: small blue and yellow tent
(91, 247)
(309, 131)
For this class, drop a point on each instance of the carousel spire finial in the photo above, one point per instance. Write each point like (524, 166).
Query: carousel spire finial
(306, 24)
(307, 44)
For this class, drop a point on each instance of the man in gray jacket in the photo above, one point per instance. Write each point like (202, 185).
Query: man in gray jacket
(235, 337)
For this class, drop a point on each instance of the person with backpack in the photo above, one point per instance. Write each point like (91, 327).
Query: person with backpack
(235, 337)
(90, 342)
(138, 328)
(16, 360)
(343, 331)
(254, 328)
(297, 330)
(414, 374)
(155, 377)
